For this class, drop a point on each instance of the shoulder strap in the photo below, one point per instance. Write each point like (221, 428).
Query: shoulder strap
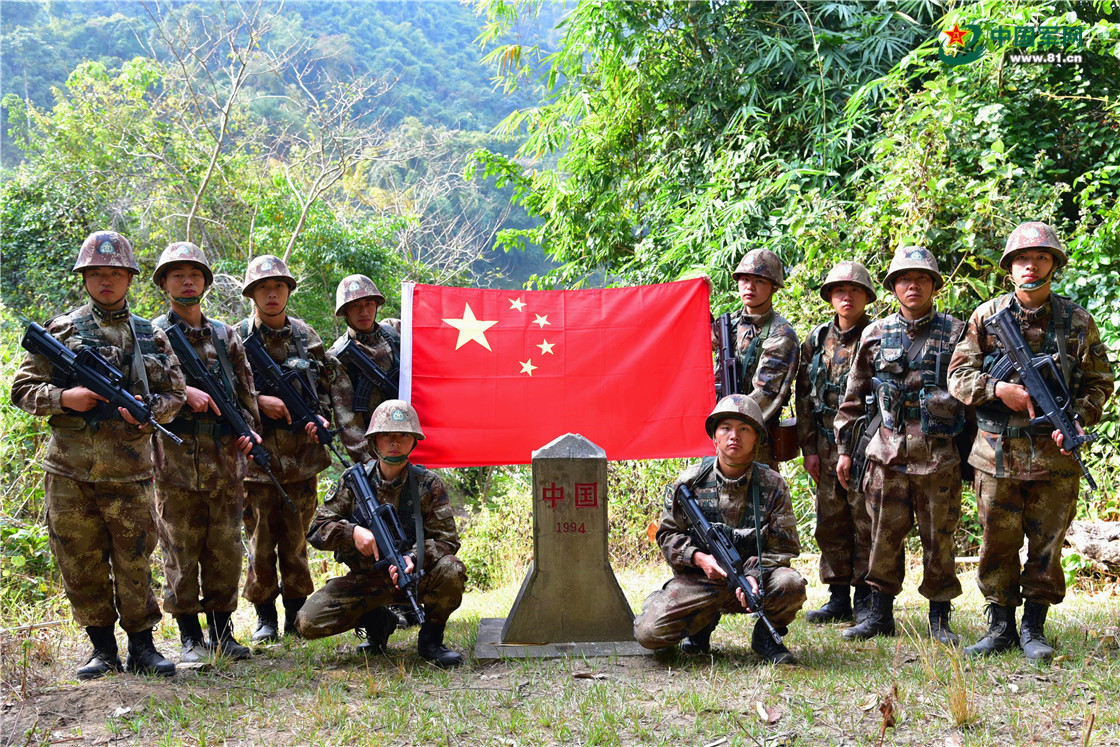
(1061, 330)
(139, 372)
(755, 500)
(413, 487)
(221, 344)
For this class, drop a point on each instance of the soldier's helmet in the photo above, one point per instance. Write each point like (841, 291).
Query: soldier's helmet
(848, 272)
(352, 288)
(264, 267)
(913, 258)
(395, 416)
(741, 407)
(764, 263)
(106, 249)
(1033, 235)
(182, 252)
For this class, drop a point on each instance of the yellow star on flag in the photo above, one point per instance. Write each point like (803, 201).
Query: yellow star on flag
(517, 303)
(470, 328)
(527, 367)
(546, 347)
(541, 320)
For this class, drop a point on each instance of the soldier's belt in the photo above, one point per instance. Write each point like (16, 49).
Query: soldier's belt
(1016, 431)
(183, 427)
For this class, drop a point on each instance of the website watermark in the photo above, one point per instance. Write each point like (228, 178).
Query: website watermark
(1034, 45)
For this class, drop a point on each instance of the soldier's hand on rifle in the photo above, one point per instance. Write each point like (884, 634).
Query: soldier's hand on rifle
(407, 568)
(245, 443)
(366, 544)
(743, 597)
(80, 399)
(274, 408)
(312, 430)
(1060, 439)
(844, 470)
(813, 466)
(708, 565)
(1015, 396)
(128, 415)
(200, 401)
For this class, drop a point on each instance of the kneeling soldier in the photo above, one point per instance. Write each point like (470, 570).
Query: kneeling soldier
(360, 599)
(731, 490)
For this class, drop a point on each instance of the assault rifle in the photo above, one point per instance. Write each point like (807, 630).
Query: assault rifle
(371, 375)
(864, 429)
(1044, 382)
(382, 520)
(287, 385)
(209, 383)
(87, 368)
(728, 558)
(731, 368)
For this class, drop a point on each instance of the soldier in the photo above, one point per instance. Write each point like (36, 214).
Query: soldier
(767, 344)
(690, 604)
(199, 490)
(276, 534)
(843, 524)
(913, 467)
(1026, 485)
(359, 600)
(357, 299)
(99, 462)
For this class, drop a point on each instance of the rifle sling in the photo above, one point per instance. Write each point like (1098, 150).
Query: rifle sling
(755, 499)
(138, 370)
(413, 489)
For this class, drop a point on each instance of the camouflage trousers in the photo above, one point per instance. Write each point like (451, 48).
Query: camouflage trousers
(689, 601)
(843, 530)
(102, 535)
(1041, 511)
(200, 533)
(896, 500)
(340, 604)
(278, 538)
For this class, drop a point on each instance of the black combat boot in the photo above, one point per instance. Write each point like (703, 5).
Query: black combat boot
(291, 609)
(861, 602)
(939, 628)
(190, 634)
(1001, 635)
(879, 621)
(221, 636)
(838, 608)
(104, 658)
(700, 642)
(376, 626)
(763, 644)
(143, 657)
(429, 644)
(268, 629)
(1031, 636)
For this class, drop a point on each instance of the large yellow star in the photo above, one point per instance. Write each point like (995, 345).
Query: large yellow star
(470, 328)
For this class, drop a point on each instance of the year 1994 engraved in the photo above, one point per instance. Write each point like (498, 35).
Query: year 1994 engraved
(570, 527)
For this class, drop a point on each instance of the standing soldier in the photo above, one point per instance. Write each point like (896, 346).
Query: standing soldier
(199, 490)
(357, 299)
(277, 535)
(99, 461)
(843, 524)
(913, 467)
(360, 599)
(1026, 486)
(733, 491)
(766, 343)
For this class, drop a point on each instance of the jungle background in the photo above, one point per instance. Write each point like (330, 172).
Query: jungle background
(549, 145)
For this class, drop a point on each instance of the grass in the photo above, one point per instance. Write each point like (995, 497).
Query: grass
(322, 693)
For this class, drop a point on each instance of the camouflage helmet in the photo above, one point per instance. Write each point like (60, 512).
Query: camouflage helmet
(741, 407)
(106, 249)
(848, 272)
(395, 416)
(352, 288)
(182, 252)
(764, 263)
(913, 258)
(264, 267)
(1033, 235)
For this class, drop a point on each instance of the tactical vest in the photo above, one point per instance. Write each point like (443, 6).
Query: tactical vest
(187, 421)
(393, 338)
(707, 498)
(308, 370)
(750, 358)
(821, 386)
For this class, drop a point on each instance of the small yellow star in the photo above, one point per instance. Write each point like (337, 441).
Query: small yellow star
(517, 303)
(546, 347)
(541, 320)
(470, 328)
(527, 367)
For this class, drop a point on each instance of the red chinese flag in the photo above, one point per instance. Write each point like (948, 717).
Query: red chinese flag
(495, 374)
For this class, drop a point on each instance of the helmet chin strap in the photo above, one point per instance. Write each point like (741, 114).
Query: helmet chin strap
(265, 313)
(1035, 284)
(186, 300)
(393, 460)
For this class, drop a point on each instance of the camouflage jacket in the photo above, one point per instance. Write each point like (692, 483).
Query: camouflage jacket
(1005, 443)
(332, 528)
(352, 425)
(770, 365)
(100, 446)
(728, 502)
(906, 448)
(209, 458)
(294, 455)
(826, 358)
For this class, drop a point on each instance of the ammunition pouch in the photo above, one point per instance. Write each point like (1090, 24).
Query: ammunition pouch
(942, 414)
(215, 429)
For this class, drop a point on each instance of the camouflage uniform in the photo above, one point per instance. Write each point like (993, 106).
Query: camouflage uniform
(99, 469)
(690, 602)
(382, 345)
